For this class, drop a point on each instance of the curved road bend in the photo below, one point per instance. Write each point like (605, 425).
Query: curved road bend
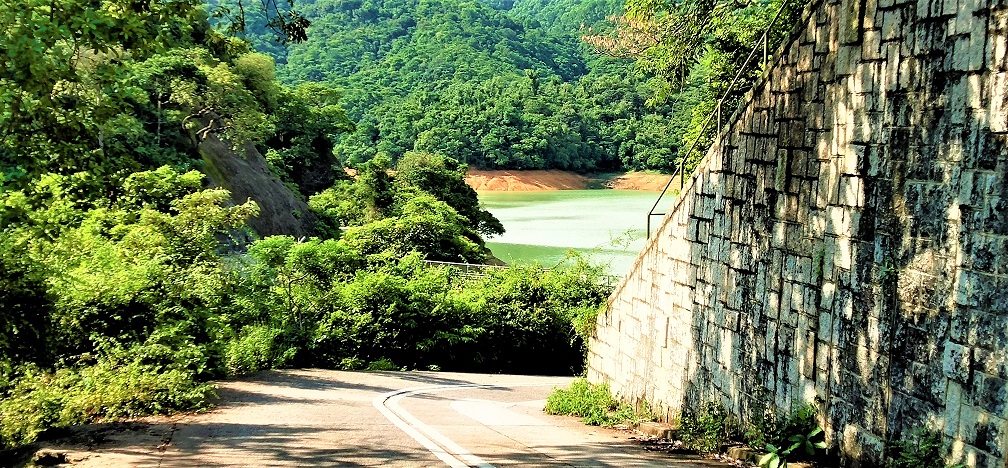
(333, 418)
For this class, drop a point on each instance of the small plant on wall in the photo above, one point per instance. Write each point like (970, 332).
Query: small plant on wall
(797, 446)
(920, 449)
(796, 437)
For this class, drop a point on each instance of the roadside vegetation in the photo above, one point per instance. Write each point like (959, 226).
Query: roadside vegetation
(595, 405)
(129, 309)
(129, 281)
(773, 440)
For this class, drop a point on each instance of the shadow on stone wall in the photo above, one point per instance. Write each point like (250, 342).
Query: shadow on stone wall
(842, 241)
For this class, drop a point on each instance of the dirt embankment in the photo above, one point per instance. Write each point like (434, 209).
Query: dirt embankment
(530, 181)
(638, 181)
(525, 181)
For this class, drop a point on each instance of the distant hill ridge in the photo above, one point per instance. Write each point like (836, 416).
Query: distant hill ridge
(497, 86)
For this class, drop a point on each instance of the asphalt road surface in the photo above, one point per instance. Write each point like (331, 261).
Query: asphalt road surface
(332, 418)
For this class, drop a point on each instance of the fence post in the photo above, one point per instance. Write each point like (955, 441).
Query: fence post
(766, 57)
(718, 130)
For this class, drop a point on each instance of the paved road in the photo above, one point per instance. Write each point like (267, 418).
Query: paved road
(332, 418)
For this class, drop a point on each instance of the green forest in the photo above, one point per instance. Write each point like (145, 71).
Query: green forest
(135, 268)
(489, 88)
(510, 85)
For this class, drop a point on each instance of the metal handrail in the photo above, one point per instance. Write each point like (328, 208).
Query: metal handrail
(467, 269)
(477, 269)
(681, 170)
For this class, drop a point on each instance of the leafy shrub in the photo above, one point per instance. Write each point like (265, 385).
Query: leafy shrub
(583, 320)
(351, 363)
(256, 348)
(594, 404)
(799, 445)
(527, 311)
(426, 225)
(118, 385)
(707, 430)
(795, 437)
(920, 449)
(382, 365)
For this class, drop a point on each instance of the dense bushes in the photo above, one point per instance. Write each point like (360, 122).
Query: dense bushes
(412, 314)
(120, 384)
(127, 306)
(138, 317)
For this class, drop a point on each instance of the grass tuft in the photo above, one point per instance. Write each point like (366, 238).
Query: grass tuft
(594, 403)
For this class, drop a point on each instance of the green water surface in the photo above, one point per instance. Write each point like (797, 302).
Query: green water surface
(607, 225)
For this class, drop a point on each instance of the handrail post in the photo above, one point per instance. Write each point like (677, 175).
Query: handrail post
(682, 173)
(689, 148)
(766, 52)
(718, 130)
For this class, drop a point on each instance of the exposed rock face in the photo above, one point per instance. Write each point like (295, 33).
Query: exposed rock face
(844, 242)
(245, 173)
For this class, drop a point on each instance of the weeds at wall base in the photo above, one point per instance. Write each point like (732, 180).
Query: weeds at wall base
(773, 441)
(595, 404)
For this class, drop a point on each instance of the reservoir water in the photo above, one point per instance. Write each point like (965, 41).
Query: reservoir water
(606, 225)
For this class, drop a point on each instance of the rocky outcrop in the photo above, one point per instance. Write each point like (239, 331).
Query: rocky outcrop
(245, 173)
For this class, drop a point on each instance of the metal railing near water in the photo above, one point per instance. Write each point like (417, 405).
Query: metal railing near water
(470, 270)
(474, 270)
(681, 170)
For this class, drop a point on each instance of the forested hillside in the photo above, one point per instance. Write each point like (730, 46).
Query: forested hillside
(491, 88)
(511, 84)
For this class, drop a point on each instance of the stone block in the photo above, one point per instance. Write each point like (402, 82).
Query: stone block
(872, 46)
(978, 48)
(956, 362)
(997, 52)
(851, 191)
(852, 154)
(850, 23)
(998, 102)
(836, 221)
(967, 288)
(991, 394)
(949, 7)
(987, 330)
(982, 430)
(892, 25)
(796, 239)
(656, 429)
(844, 62)
(975, 88)
(909, 68)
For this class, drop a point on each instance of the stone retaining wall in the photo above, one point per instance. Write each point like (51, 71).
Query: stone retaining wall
(844, 241)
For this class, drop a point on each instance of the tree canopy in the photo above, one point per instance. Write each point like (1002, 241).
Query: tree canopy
(492, 88)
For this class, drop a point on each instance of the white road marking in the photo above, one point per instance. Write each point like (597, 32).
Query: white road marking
(442, 447)
(379, 403)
